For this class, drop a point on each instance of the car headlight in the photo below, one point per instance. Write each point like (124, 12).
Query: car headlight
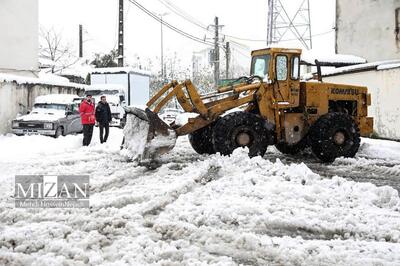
(15, 124)
(48, 125)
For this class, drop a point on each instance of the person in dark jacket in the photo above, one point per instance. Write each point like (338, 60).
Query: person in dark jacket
(86, 110)
(103, 117)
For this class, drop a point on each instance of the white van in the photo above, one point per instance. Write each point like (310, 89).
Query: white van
(115, 95)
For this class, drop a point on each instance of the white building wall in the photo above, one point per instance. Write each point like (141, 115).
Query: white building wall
(367, 28)
(19, 36)
(384, 86)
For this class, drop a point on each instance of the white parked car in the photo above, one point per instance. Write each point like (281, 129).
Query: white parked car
(52, 115)
(168, 115)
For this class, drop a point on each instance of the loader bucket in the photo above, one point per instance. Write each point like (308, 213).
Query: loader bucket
(145, 135)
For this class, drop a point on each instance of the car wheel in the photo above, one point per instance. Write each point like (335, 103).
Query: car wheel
(59, 132)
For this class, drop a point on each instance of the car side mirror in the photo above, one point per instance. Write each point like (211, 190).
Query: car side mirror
(68, 113)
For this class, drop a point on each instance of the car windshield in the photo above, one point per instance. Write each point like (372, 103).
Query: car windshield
(50, 106)
(260, 65)
(102, 92)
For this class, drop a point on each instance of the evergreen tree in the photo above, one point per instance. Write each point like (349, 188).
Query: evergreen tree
(106, 60)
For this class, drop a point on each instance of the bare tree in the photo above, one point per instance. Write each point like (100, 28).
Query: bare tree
(53, 47)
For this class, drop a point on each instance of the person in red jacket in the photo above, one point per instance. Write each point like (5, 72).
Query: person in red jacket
(87, 111)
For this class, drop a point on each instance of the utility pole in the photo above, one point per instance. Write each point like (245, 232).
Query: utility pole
(162, 52)
(227, 58)
(162, 48)
(80, 42)
(121, 34)
(216, 53)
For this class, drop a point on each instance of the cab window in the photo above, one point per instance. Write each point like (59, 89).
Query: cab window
(281, 67)
(259, 65)
(295, 68)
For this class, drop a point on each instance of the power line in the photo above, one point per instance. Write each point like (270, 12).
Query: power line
(154, 16)
(198, 23)
(263, 40)
(183, 14)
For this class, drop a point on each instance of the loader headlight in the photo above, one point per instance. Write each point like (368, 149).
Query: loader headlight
(48, 126)
(15, 124)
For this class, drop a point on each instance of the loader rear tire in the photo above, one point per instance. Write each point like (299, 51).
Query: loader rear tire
(334, 135)
(241, 129)
(201, 140)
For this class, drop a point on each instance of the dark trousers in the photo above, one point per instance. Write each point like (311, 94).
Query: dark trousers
(87, 134)
(104, 128)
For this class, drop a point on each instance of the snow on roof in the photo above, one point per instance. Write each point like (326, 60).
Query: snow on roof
(105, 87)
(108, 70)
(379, 65)
(53, 77)
(388, 66)
(79, 69)
(56, 98)
(309, 57)
(46, 62)
(45, 79)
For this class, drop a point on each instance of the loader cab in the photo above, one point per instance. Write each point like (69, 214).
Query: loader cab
(281, 69)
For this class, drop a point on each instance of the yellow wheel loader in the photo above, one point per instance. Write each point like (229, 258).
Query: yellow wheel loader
(274, 108)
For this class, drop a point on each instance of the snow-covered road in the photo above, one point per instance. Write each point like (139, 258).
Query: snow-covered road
(199, 210)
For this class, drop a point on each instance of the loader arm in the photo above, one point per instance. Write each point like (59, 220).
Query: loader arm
(209, 106)
(161, 137)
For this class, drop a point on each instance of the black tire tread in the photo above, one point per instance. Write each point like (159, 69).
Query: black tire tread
(201, 140)
(290, 149)
(321, 136)
(223, 128)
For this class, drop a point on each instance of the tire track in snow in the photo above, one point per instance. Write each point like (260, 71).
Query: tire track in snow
(363, 168)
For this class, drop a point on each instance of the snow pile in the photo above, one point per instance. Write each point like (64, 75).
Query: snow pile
(199, 210)
(135, 133)
(382, 149)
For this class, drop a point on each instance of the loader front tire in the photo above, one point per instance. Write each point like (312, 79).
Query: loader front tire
(241, 129)
(334, 135)
(201, 140)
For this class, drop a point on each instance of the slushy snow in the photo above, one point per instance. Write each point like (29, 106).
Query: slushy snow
(195, 209)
